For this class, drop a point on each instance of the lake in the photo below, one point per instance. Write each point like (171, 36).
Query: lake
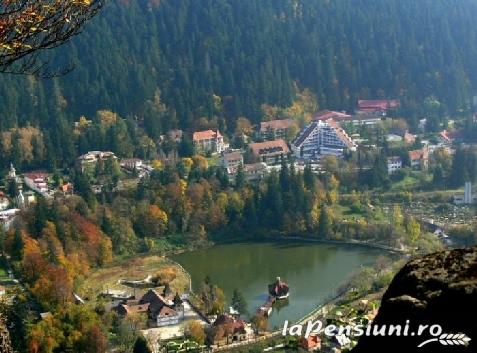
(313, 271)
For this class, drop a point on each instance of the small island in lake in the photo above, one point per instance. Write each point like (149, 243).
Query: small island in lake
(279, 289)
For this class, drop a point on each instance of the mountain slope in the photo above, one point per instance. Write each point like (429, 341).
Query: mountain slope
(251, 52)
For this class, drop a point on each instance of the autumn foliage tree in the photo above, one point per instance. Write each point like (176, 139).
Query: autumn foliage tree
(30, 26)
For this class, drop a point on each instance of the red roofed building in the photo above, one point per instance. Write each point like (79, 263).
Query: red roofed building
(269, 152)
(448, 137)
(275, 129)
(37, 181)
(419, 158)
(208, 141)
(310, 343)
(125, 309)
(329, 114)
(227, 329)
(378, 106)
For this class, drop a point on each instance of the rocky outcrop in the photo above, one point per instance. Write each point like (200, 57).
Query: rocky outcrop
(438, 289)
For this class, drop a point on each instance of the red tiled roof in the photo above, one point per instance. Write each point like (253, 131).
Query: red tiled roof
(166, 311)
(36, 175)
(329, 114)
(133, 309)
(206, 135)
(276, 124)
(416, 154)
(269, 147)
(377, 104)
(231, 156)
(310, 342)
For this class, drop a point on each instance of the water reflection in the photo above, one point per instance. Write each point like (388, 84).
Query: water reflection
(311, 270)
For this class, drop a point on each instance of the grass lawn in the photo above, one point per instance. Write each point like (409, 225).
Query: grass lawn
(136, 268)
(213, 160)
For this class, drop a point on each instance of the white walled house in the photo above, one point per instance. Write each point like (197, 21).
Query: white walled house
(208, 141)
(37, 181)
(394, 164)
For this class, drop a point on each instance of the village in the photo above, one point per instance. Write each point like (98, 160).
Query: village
(168, 318)
(329, 135)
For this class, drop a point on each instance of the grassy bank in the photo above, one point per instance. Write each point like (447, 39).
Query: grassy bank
(136, 268)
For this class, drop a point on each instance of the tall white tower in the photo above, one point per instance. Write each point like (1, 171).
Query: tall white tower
(468, 193)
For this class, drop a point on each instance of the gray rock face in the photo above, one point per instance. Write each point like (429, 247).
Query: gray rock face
(438, 289)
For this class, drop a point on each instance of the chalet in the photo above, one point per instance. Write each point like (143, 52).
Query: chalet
(310, 343)
(447, 137)
(208, 141)
(232, 159)
(163, 310)
(37, 181)
(321, 138)
(168, 316)
(419, 159)
(227, 329)
(394, 164)
(275, 129)
(329, 114)
(89, 160)
(269, 152)
(377, 106)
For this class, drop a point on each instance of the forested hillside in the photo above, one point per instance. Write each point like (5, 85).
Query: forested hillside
(227, 57)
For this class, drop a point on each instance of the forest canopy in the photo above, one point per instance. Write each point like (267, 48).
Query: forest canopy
(252, 52)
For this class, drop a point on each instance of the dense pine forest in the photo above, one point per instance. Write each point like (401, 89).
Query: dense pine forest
(167, 63)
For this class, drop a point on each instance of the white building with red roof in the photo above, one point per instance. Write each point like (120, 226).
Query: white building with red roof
(37, 181)
(208, 141)
(419, 159)
(269, 152)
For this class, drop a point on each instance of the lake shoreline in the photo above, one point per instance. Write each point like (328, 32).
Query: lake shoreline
(317, 271)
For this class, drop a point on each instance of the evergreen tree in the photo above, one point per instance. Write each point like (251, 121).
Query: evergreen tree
(238, 302)
(141, 346)
(17, 245)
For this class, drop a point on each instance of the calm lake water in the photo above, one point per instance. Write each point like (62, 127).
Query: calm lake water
(312, 270)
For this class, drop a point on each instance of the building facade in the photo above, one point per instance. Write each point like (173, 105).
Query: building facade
(394, 164)
(37, 181)
(321, 138)
(269, 152)
(208, 141)
(275, 129)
